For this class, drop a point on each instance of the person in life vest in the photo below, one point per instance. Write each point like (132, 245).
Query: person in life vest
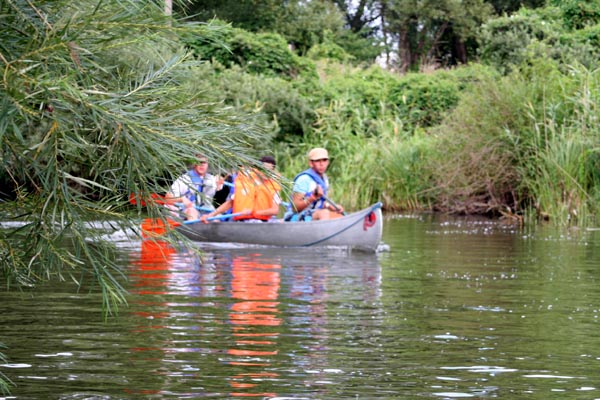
(310, 189)
(255, 195)
(193, 190)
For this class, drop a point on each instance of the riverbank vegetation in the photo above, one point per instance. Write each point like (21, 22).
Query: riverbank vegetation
(509, 135)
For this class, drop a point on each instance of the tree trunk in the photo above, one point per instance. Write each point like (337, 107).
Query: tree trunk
(460, 51)
(404, 52)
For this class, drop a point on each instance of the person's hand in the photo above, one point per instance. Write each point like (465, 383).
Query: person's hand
(318, 192)
(339, 208)
(204, 218)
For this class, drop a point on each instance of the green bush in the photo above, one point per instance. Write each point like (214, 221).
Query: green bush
(273, 103)
(328, 50)
(422, 99)
(504, 41)
(578, 14)
(257, 53)
(418, 100)
(357, 87)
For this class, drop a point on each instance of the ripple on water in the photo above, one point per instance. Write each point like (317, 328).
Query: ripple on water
(482, 369)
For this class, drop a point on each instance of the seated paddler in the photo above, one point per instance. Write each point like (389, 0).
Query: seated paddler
(254, 196)
(193, 192)
(310, 191)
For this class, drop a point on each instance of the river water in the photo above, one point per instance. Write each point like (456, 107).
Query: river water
(456, 308)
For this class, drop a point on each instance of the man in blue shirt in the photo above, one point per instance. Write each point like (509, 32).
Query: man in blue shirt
(309, 198)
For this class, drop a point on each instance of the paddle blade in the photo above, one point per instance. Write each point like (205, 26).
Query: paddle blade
(143, 199)
(135, 199)
(156, 227)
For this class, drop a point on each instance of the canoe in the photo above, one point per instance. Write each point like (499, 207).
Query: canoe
(360, 230)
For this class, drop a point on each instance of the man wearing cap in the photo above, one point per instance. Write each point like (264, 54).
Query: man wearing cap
(310, 190)
(194, 189)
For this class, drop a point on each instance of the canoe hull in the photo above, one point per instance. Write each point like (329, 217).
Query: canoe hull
(361, 230)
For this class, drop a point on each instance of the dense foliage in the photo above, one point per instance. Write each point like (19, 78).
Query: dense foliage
(98, 100)
(449, 127)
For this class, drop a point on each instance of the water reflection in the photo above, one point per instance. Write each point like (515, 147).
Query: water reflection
(254, 318)
(243, 317)
(457, 308)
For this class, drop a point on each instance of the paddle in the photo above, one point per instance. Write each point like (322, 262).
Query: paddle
(158, 199)
(337, 208)
(154, 227)
(215, 218)
(199, 208)
(134, 199)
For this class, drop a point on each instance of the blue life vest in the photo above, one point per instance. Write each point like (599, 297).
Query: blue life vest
(305, 215)
(198, 183)
(319, 203)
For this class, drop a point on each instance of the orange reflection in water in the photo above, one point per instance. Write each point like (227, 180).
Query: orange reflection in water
(253, 315)
(152, 271)
(154, 266)
(256, 286)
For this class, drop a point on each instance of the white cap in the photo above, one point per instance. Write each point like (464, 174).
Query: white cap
(317, 154)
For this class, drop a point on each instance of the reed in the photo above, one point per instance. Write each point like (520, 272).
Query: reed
(474, 161)
(562, 173)
(5, 382)
(366, 167)
(523, 144)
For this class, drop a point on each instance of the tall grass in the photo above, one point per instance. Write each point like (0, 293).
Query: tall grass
(516, 146)
(556, 185)
(523, 144)
(563, 173)
(372, 159)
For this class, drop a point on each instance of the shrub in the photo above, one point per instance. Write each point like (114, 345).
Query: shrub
(258, 53)
(475, 165)
(578, 14)
(328, 50)
(503, 41)
(422, 99)
(273, 102)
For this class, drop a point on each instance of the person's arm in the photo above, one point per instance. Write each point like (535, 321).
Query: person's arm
(177, 191)
(329, 205)
(171, 199)
(220, 210)
(301, 201)
(271, 211)
(305, 192)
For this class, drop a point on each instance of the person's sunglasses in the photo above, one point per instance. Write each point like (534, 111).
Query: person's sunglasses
(321, 159)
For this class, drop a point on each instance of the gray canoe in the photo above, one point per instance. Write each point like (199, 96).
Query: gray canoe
(361, 230)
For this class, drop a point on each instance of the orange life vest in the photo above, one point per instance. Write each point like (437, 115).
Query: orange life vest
(253, 191)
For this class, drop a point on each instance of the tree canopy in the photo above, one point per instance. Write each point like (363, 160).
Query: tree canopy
(411, 33)
(98, 100)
